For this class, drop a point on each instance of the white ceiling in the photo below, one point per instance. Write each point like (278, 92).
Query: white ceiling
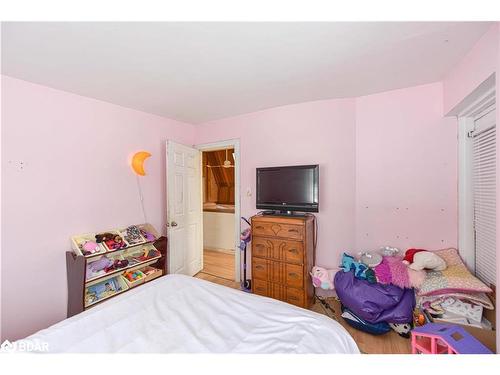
(196, 72)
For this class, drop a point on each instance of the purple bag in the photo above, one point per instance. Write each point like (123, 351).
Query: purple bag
(375, 303)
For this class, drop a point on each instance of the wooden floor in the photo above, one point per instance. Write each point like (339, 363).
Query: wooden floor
(217, 280)
(219, 263)
(390, 343)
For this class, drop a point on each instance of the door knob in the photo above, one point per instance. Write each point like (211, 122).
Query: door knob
(173, 224)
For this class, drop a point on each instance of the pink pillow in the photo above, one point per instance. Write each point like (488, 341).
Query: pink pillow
(455, 278)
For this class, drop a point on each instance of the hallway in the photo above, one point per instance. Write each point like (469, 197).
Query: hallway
(219, 263)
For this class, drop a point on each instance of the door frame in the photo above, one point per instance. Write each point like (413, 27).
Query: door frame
(235, 143)
(466, 112)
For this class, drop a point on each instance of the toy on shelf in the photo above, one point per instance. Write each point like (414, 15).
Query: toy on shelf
(104, 289)
(98, 267)
(148, 254)
(151, 273)
(113, 241)
(90, 247)
(98, 261)
(86, 245)
(435, 338)
(117, 264)
(92, 244)
(133, 275)
(150, 237)
(132, 235)
(134, 278)
(141, 255)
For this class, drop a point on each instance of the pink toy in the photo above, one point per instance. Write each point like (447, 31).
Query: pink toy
(322, 278)
(90, 247)
(434, 338)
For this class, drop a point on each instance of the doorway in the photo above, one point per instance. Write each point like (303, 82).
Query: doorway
(221, 218)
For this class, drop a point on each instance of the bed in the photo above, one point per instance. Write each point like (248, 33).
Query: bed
(181, 314)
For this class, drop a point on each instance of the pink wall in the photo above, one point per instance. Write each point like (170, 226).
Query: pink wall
(406, 170)
(472, 70)
(321, 132)
(74, 178)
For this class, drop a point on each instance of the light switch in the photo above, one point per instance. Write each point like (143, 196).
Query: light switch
(249, 192)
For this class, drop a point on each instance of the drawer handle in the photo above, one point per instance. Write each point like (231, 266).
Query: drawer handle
(260, 289)
(259, 227)
(293, 275)
(293, 230)
(259, 267)
(295, 251)
(293, 298)
(259, 245)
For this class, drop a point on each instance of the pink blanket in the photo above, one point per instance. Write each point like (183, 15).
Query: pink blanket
(456, 278)
(392, 270)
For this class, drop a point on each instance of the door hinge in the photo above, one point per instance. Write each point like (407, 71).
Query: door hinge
(470, 134)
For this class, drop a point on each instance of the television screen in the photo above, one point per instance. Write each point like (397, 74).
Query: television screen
(294, 188)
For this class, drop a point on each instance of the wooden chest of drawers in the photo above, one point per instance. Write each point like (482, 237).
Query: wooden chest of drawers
(282, 257)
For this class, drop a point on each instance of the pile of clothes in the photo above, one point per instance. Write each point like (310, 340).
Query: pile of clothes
(386, 290)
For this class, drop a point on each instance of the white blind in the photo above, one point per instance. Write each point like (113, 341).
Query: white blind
(484, 192)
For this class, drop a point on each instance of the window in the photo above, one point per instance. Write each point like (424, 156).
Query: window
(484, 194)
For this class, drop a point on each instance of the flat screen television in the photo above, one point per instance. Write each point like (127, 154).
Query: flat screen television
(288, 189)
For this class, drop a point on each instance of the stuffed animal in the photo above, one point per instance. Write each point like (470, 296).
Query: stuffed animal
(99, 264)
(117, 264)
(112, 240)
(90, 247)
(322, 278)
(96, 267)
(361, 271)
(102, 237)
(419, 259)
(402, 329)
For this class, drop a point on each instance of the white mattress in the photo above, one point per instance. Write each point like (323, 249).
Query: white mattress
(181, 314)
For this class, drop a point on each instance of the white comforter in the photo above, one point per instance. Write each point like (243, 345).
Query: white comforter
(181, 314)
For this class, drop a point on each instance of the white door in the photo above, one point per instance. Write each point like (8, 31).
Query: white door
(184, 216)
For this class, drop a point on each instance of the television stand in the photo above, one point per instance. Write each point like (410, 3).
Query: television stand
(283, 213)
